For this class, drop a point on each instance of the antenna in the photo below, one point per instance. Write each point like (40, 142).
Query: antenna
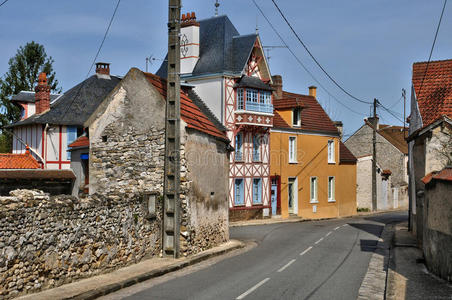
(216, 8)
(268, 48)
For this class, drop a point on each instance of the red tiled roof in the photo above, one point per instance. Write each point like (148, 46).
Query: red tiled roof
(190, 113)
(345, 155)
(82, 141)
(444, 174)
(435, 98)
(396, 136)
(313, 117)
(279, 122)
(18, 161)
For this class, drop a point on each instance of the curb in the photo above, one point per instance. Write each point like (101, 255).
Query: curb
(375, 281)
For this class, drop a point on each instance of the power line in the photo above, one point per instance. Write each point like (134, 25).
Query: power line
(3, 2)
(387, 110)
(433, 46)
(395, 103)
(315, 60)
(301, 63)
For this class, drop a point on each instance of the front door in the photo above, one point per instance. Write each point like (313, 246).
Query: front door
(274, 197)
(291, 192)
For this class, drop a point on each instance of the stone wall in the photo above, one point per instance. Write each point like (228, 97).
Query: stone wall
(46, 241)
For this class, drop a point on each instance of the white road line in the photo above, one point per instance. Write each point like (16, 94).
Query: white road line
(288, 264)
(318, 241)
(337, 227)
(305, 251)
(252, 289)
(328, 233)
(344, 225)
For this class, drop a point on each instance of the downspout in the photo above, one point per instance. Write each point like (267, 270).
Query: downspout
(44, 142)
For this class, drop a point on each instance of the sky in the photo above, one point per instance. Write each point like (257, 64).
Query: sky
(368, 47)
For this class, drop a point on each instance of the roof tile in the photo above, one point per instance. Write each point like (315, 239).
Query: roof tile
(345, 155)
(82, 141)
(18, 161)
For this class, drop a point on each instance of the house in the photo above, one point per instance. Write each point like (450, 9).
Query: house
(49, 127)
(430, 131)
(25, 100)
(313, 174)
(392, 161)
(230, 73)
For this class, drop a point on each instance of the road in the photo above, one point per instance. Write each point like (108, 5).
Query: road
(308, 260)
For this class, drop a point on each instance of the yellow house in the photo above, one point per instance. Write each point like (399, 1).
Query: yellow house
(313, 173)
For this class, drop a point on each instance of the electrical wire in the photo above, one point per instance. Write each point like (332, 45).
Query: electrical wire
(433, 46)
(395, 103)
(388, 111)
(301, 63)
(315, 60)
(3, 2)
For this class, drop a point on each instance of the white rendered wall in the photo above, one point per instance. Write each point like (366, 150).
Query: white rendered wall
(189, 51)
(31, 109)
(210, 91)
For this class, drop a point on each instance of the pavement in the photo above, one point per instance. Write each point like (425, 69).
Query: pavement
(408, 278)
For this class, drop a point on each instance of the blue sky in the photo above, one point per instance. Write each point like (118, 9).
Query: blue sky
(367, 46)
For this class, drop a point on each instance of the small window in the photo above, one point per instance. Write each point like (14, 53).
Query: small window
(239, 196)
(296, 117)
(331, 187)
(331, 151)
(251, 95)
(239, 146)
(314, 190)
(292, 149)
(257, 191)
(256, 147)
(240, 100)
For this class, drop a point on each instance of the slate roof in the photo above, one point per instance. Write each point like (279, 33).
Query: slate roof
(221, 48)
(345, 155)
(191, 114)
(252, 82)
(27, 96)
(76, 105)
(435, 98)
(18, 161)
(313, 117)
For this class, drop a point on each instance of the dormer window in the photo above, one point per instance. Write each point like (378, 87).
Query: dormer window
(296, 117)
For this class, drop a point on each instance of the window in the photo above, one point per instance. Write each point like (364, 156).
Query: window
(314, 190)
(296, 117)
(71, 133)
(257, 191)
(256, 147)
(331, 189)
(292, 149)
(239, 146)
(240, 100)
(239, 196)
(251, 95)
(265, 97)
(331, 151)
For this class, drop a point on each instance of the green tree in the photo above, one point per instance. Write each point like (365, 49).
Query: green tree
(22, 75)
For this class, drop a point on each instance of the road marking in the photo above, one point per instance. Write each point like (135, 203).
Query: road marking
(344, 225)
(337, 227)
(318, 241)
(305, 251)
(288, 264)
(252, 289)
(328, 233)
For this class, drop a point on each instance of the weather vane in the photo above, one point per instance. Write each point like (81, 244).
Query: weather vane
(216, 8)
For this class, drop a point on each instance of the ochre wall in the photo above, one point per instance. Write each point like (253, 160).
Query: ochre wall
(312, 161)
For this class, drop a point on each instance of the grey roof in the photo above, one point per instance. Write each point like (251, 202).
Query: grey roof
(205, 109)
(253, 82)
(76, 105)
(222, 48)
(27, 96)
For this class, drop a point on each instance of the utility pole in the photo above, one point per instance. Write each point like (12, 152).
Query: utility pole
(404, 108)
(171, 185)
(374, 158)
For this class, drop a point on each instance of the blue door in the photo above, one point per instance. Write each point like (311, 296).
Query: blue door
(274, 197)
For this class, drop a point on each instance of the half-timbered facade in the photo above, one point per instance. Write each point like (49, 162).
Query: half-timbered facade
(230, 72)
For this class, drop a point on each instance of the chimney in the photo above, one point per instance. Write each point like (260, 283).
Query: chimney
(277, 85)
(189, 43)
(313, 91)
(340, 128)
(374, 122)
(103, 70)
(42, 94)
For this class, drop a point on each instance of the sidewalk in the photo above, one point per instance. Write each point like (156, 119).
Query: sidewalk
(408, 277)
(96, 286)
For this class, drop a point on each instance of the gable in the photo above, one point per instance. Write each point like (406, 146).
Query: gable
(256, 65)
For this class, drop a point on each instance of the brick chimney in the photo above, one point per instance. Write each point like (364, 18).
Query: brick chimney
(277, 85)
(103, 70)
(42, 94)
(313, 91)
(374, 122)
(340, 127)
(189, 43)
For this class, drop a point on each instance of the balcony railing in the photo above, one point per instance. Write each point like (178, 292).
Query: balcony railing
(259, 107)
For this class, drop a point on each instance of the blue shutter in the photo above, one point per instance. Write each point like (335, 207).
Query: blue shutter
(257, 190)
(239, 194)
(71, 132)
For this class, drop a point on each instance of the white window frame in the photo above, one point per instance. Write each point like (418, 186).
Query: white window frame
(240, 99)
(293, 157)
(315, 198)
(331, 189)
(296, 111)
(331, 153)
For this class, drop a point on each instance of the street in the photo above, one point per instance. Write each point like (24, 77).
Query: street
(308, 260)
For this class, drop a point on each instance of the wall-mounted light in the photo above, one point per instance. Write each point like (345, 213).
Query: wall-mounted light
(150, 199)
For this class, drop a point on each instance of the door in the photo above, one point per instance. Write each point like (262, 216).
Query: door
(274, 196)
(395, 196)
(384, 193)
(291, 195)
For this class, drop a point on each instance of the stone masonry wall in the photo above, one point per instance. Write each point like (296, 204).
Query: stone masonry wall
(48, 241)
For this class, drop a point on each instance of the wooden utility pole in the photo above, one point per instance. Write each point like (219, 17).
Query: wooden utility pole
(171, 204)
(374, 158)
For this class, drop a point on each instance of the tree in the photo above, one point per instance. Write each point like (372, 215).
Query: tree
(22, 75)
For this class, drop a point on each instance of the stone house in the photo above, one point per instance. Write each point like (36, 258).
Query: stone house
(392, 159)
(430, 131)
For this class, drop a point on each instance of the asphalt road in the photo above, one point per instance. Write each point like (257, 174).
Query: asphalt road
(308, 260)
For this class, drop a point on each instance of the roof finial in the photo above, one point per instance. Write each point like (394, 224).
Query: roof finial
(216, 8)
(257, 26)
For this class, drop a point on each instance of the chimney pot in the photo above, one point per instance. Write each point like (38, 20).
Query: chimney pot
(103, 68)
(193, 16)
(42, 94)
(313, 91)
